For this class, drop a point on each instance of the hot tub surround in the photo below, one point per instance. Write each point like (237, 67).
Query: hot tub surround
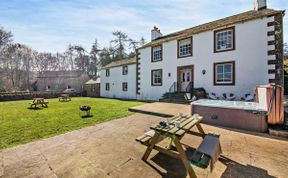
(235, 114)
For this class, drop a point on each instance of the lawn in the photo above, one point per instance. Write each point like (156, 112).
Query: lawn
(19, 125)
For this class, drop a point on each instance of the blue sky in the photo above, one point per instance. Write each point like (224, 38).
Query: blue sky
(51, 25)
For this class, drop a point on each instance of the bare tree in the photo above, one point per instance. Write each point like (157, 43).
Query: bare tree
(17, 66)
(44, 62)
(5, 38)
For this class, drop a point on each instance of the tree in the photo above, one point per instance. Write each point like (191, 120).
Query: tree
(81, 58)
(5, 38)
(119, 44)
(134, 44)
(45, 62)
(69, 56)
(61, 62)
(106, 56)
(17, 60)
(94, 59)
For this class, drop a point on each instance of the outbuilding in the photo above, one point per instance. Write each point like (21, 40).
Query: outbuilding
(92, 87)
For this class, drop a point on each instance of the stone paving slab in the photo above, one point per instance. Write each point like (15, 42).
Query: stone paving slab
(109, 150)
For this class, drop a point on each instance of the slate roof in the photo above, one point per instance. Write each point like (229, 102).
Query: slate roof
(122, 62)
(66, 74)
(239, 18)
(92, 81)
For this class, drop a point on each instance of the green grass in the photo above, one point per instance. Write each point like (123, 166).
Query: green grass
(19, 125)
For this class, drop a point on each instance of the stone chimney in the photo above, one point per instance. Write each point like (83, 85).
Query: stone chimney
(260, 4)
(155, 33)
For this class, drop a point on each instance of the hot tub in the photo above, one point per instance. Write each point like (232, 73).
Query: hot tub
(235, 114)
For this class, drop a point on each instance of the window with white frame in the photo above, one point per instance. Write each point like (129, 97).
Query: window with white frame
(224, 73)
(185, 47)
(156, 77)
(125, 70)
(107, 72)
(224, 39)
(124, 86)
(156, 53)
(107, 86)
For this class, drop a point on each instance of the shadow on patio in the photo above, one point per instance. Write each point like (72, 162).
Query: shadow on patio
(174, 167)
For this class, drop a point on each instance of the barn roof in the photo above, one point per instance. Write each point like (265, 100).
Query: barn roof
(65, 74)
(92, 81)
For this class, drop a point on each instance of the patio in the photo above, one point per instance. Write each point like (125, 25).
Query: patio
(109, 150)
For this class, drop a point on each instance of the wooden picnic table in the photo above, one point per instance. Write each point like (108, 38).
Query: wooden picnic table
(175, 134)
(64, 97)
(39, 101)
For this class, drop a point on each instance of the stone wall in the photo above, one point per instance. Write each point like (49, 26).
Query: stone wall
(5, 96)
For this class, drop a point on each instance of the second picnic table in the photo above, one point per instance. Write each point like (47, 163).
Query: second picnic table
(64, 97)
(39, 101)
(175, 134)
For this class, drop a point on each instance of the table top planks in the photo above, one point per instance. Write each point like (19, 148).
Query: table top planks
(186, 123)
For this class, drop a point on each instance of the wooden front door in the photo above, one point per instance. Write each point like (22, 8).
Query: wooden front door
(185, 76)
(185, 79)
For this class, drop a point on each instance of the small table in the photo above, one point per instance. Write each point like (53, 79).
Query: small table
(39, 101)
(64, 97)
(175, 134)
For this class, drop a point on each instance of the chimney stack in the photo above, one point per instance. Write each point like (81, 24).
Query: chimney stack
(260, 4)
(155, 33)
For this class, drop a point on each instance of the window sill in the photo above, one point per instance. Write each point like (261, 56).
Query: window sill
(180, 57)
(221, 84)
(156, 61)
(225, 50)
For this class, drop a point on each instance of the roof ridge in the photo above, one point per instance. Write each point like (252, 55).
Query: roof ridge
(244, 16)
(121, 62)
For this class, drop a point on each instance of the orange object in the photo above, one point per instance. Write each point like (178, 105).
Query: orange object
(275, 105)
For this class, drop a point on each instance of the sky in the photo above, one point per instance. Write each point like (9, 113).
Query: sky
(51, 25)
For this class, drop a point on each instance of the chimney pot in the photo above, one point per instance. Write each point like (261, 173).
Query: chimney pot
(260, 4)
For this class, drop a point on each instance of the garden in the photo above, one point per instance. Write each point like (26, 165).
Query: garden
(20, 124)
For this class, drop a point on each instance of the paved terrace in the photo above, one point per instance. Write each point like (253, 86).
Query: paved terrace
(110, 150)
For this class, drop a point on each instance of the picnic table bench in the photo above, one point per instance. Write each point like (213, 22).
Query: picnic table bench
(64, 97)
(39, 101)
(159, 133)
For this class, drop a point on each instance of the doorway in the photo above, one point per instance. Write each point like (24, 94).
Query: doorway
(185, 76)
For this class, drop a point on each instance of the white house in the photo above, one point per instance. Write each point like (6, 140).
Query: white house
(118, 79)
(230, 55)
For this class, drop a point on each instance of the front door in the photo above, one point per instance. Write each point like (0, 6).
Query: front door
(186, 75)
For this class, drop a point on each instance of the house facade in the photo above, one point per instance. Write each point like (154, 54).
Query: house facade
(230, 55)
(118, 79)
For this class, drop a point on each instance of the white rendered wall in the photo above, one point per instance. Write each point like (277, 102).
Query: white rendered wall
(116, 79)
(250, 56)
